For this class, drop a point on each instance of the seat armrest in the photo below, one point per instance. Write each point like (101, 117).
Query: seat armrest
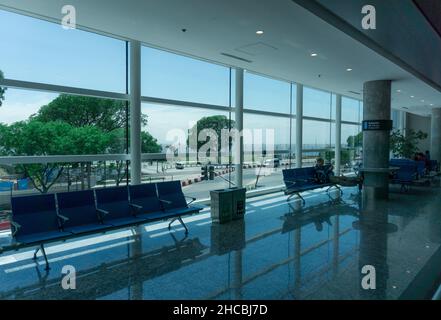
(193, 199)
(16, 227)
(63, 217)
(135, 208)
(102, 212)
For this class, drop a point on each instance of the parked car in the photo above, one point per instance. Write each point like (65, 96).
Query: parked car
(179, 165)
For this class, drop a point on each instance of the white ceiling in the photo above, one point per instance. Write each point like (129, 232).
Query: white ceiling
(291, 34)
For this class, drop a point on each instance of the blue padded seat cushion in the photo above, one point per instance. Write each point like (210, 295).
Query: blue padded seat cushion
(121, 222)
(88, 228)
(42, 236)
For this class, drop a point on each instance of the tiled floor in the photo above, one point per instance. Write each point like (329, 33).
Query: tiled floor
(277, 252)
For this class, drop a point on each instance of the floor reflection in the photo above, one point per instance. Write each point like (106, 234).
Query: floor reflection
(280, 251)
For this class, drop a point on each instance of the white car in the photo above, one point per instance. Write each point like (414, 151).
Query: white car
(179, 166)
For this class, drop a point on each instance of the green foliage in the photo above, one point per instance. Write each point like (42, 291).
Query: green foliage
(329, 155)
(80, 111)
(149, 144)
(355, 141)
(2, 90)
(217, 123)
(70, 125)
(406, 145)
(38, 138)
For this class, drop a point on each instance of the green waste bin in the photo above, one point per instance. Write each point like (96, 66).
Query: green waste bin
(227, 204)
(221, 205)
(239, 202)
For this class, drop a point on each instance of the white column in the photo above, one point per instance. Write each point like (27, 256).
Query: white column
(239, 127)
(299, 125)
(135, 112)
(337, 134)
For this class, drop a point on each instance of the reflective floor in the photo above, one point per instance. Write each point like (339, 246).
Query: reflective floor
(279, 251)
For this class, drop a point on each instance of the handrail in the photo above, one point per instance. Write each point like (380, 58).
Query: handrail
(62, 158)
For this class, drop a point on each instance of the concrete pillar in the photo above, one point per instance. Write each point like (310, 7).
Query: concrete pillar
(435, 135)
(135, 112)
(337, 135)
(239, 127)
(299, 125)
(377, 106)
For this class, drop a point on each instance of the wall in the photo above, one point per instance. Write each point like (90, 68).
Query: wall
(416, 123)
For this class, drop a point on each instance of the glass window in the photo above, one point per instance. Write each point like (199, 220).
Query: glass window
(271, 134)
(39, 51)
(172, 128)
(351, 142)
(316, 140)
(266, 94)
(316, 103)
(171, 76)
(40, 123)
(48, 124)
(350, 109)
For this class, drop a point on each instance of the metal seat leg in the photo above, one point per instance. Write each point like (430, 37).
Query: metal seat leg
(183, 224)
(35, 254)
(45, 258)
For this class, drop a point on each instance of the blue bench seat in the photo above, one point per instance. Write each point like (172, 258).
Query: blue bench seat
(298, 180)
(78, 213)
(38, 220)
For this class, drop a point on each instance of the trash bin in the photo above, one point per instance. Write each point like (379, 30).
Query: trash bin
(227, 204)
(239, 202)
(221, 205)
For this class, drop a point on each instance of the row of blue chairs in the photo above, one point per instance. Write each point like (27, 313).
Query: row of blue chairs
(40, 219)
(410, 171)
(298, 180)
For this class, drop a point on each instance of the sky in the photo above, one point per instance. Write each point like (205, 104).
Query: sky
(39, 51)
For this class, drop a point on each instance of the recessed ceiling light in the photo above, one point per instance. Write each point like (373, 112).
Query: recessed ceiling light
(398, 90)
(348, 69)
(422, 100)
(431, 104)
(412, 96)
(313, 54)
(259, 32)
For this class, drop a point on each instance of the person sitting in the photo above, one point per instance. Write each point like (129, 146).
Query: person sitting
(322, 172)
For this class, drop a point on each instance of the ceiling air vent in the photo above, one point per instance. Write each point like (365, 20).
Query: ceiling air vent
(235, 57)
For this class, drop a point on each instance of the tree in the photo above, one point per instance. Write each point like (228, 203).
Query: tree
(106, 114)
(405, 146)
(36, 138)
(2, 90)
(149, 144)
(217, 123)
(355, 141)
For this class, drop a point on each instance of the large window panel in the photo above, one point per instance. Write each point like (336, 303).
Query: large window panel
(40, 51)
(316, 140)
(171, 128)
(270, 134)
(47, 124)
(351, 141)
(44, 124)
(170, 76)
(316, 103)
(350, 110)
(266, 94)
